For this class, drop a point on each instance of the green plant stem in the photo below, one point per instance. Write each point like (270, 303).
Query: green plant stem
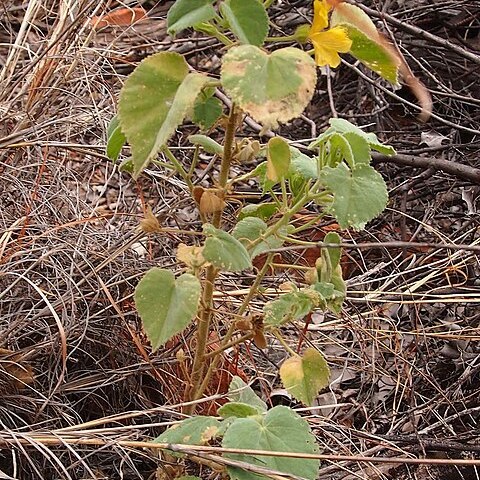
(178, 166)
(284, 343)
(226, 339)
(197, 388)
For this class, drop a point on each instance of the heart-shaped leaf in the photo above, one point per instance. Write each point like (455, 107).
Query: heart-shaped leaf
(155, 99)
(248, 20)
(272, 88)
(280, 430)
(206, 112)
(290, 306)
(224, 251)
(359, 194)
(187, 13)
(304, 376)
(165, 305)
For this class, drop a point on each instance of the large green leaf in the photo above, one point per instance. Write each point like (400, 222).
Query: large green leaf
(304, 376)
(367, 44)
(280, 430)
(250, 229)
(187, 13)
(248, 20)
(271, 88)
(224, 251)
(155, 99)
(240, 392)
(191, 431)
(165, 305)
(359, 194)
(115, 139)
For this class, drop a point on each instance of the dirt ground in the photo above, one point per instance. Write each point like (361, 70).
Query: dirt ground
(74, 363)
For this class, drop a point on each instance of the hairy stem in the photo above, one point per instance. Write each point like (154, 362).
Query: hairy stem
(199, 380)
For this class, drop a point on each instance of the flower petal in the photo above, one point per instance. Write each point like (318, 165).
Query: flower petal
(320, 16)
(327, 45)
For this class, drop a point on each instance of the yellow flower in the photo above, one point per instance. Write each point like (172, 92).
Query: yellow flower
(327, 43)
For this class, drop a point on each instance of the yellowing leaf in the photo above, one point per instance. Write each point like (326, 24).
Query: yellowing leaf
(278, 159)
(305, 376)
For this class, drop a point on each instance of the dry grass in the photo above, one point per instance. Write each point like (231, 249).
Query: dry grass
(405, 352)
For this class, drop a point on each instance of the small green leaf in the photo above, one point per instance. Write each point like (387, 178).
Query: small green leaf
(271, 88)
(304, 376)
(207, 143)
(278, 159)
(248, 20)
(359, 147)
(280, 430)
(302, 165)
(263, 211)
(224, 251)
(187, 13)
(115, 139)
(346, 128)
(333, 252)
(206, 112)
(236, 409)
(260, 171)
(290, 306)
(359, 195)
(165, 305)
(250, 229)
(367, 44)
(191, 431)
(240, 392)
(340, 150)
(154, 100)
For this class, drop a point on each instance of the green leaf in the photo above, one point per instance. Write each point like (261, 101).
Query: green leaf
(260, 171)
(290, 306)
(207, 143)
(302, 165)
(240, 392)
(271, 88)
(165, 305)
(248, 20)
(360, 148)
(263, 211)
(224, 251)
(155, 99)
(304, 376)
(367, 44)
(191, 431)
(206, 112)
(250, 229)
(187, 13)
(278, 159)
(344, 126)
(115, 139)
(280, 430)
(236, 409)
(336, 301)
(359, 195)
(340, 150)
(334, 253)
